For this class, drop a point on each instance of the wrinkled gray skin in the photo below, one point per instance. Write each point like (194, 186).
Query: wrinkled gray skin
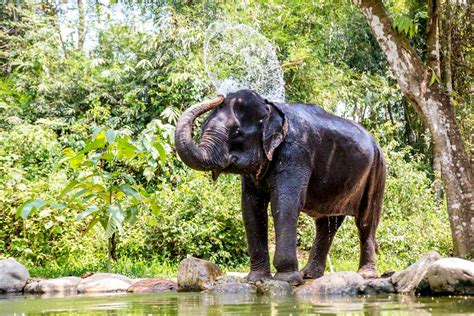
(297, 157)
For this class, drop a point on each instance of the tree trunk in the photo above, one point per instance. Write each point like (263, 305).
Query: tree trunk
(437, 112)
(81, 28)
(448, 51)
(432, 37)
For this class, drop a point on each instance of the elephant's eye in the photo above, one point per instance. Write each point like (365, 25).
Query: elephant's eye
(237, 132)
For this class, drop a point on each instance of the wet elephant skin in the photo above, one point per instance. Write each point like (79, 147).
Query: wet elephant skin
(297, 158)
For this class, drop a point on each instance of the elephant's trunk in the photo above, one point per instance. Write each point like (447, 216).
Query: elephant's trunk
(196, 157)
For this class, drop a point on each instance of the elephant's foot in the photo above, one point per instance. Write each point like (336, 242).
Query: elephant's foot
(368, 272)
(258, 275)
(294, 278)
(310, 272)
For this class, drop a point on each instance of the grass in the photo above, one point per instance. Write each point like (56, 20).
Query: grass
(167, 269)
(124, 266)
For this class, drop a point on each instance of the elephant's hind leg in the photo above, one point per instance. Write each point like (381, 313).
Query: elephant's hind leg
(326, 228)
(368, 218)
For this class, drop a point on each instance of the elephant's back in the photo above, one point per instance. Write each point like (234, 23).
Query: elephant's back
(341, 153)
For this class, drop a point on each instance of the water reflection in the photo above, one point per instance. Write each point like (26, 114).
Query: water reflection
(207, 304)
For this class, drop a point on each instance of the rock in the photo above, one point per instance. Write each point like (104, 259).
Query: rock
(387, 274)
(451, 276)
(32, 285)
(376, 286)
(104, 282)
(87, 274)
(196, 274)
(332, 284)
(274, 288)
(229, 279)
(66, 285)
(13, 276)
(233, 288)
(153, 285)
(406, 281)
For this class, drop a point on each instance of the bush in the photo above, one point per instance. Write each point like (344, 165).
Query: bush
(200, 218)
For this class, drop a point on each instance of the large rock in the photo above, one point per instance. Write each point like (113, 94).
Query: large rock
(104, 282)
(233, 288)
(406, 281)
(153, 285)
(451, 276)
(65, 285)
(274, 288)
(13, 276)
(197, 275)
(336, 283)
(376, 286)
(229, 279)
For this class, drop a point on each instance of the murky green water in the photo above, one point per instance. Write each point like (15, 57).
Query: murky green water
(205, 304)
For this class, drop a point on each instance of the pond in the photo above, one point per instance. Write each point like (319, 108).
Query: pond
(173, 303)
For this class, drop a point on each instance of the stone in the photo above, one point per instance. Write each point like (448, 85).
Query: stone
(64, 285)
(13, 276)
(233, 288)
(376, 286)
(197, 274)
(406, 281)
(451, 276)
(387, 274)
(59, 285)
(274, 288)
(229, 279)
(32, 285)
(104, 282)
(153, 285)
(337, 283)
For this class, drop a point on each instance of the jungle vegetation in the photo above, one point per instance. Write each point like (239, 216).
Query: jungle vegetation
(89, 100)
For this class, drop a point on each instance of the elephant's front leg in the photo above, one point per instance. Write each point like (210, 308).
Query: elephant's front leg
(287, 200)
(254, 212)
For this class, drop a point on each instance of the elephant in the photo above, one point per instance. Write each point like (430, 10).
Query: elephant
(297, 158)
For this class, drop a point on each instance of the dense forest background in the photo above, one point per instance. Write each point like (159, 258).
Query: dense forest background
(90, 92)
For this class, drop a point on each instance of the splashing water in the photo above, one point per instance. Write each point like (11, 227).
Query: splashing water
(238, 57)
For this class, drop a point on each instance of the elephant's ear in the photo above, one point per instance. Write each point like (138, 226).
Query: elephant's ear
(275, 129)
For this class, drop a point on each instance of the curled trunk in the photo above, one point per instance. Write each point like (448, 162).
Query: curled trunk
(196, 157)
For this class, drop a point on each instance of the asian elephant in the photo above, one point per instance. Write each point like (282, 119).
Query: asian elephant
(297, 157)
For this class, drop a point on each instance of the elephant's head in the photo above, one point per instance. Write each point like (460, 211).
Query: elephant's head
(239, 136)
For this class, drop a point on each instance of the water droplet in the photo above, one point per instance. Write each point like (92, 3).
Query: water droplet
(237, 57)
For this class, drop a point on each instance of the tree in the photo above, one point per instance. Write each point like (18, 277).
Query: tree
(419, 83)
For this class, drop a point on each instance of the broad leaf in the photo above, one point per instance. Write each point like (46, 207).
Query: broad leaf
(26, 208)
(90, 210)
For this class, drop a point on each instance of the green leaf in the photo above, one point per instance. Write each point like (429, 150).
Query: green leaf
(91, 224)
(68, 188)
(26, 208)
(76, 161)
(132, 215)
(48, 225)
(161, 150)
(125, 149)
(115, 220)
(90, 210)
(129, 191)
(110, 135)
(433, 78)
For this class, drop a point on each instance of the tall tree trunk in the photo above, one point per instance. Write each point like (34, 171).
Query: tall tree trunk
(432, 37)
(81, 28)
(433, 62)
(448, 51)
(436, 110)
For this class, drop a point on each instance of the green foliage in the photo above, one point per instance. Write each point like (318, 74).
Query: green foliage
(206, 213)
(53, 95)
